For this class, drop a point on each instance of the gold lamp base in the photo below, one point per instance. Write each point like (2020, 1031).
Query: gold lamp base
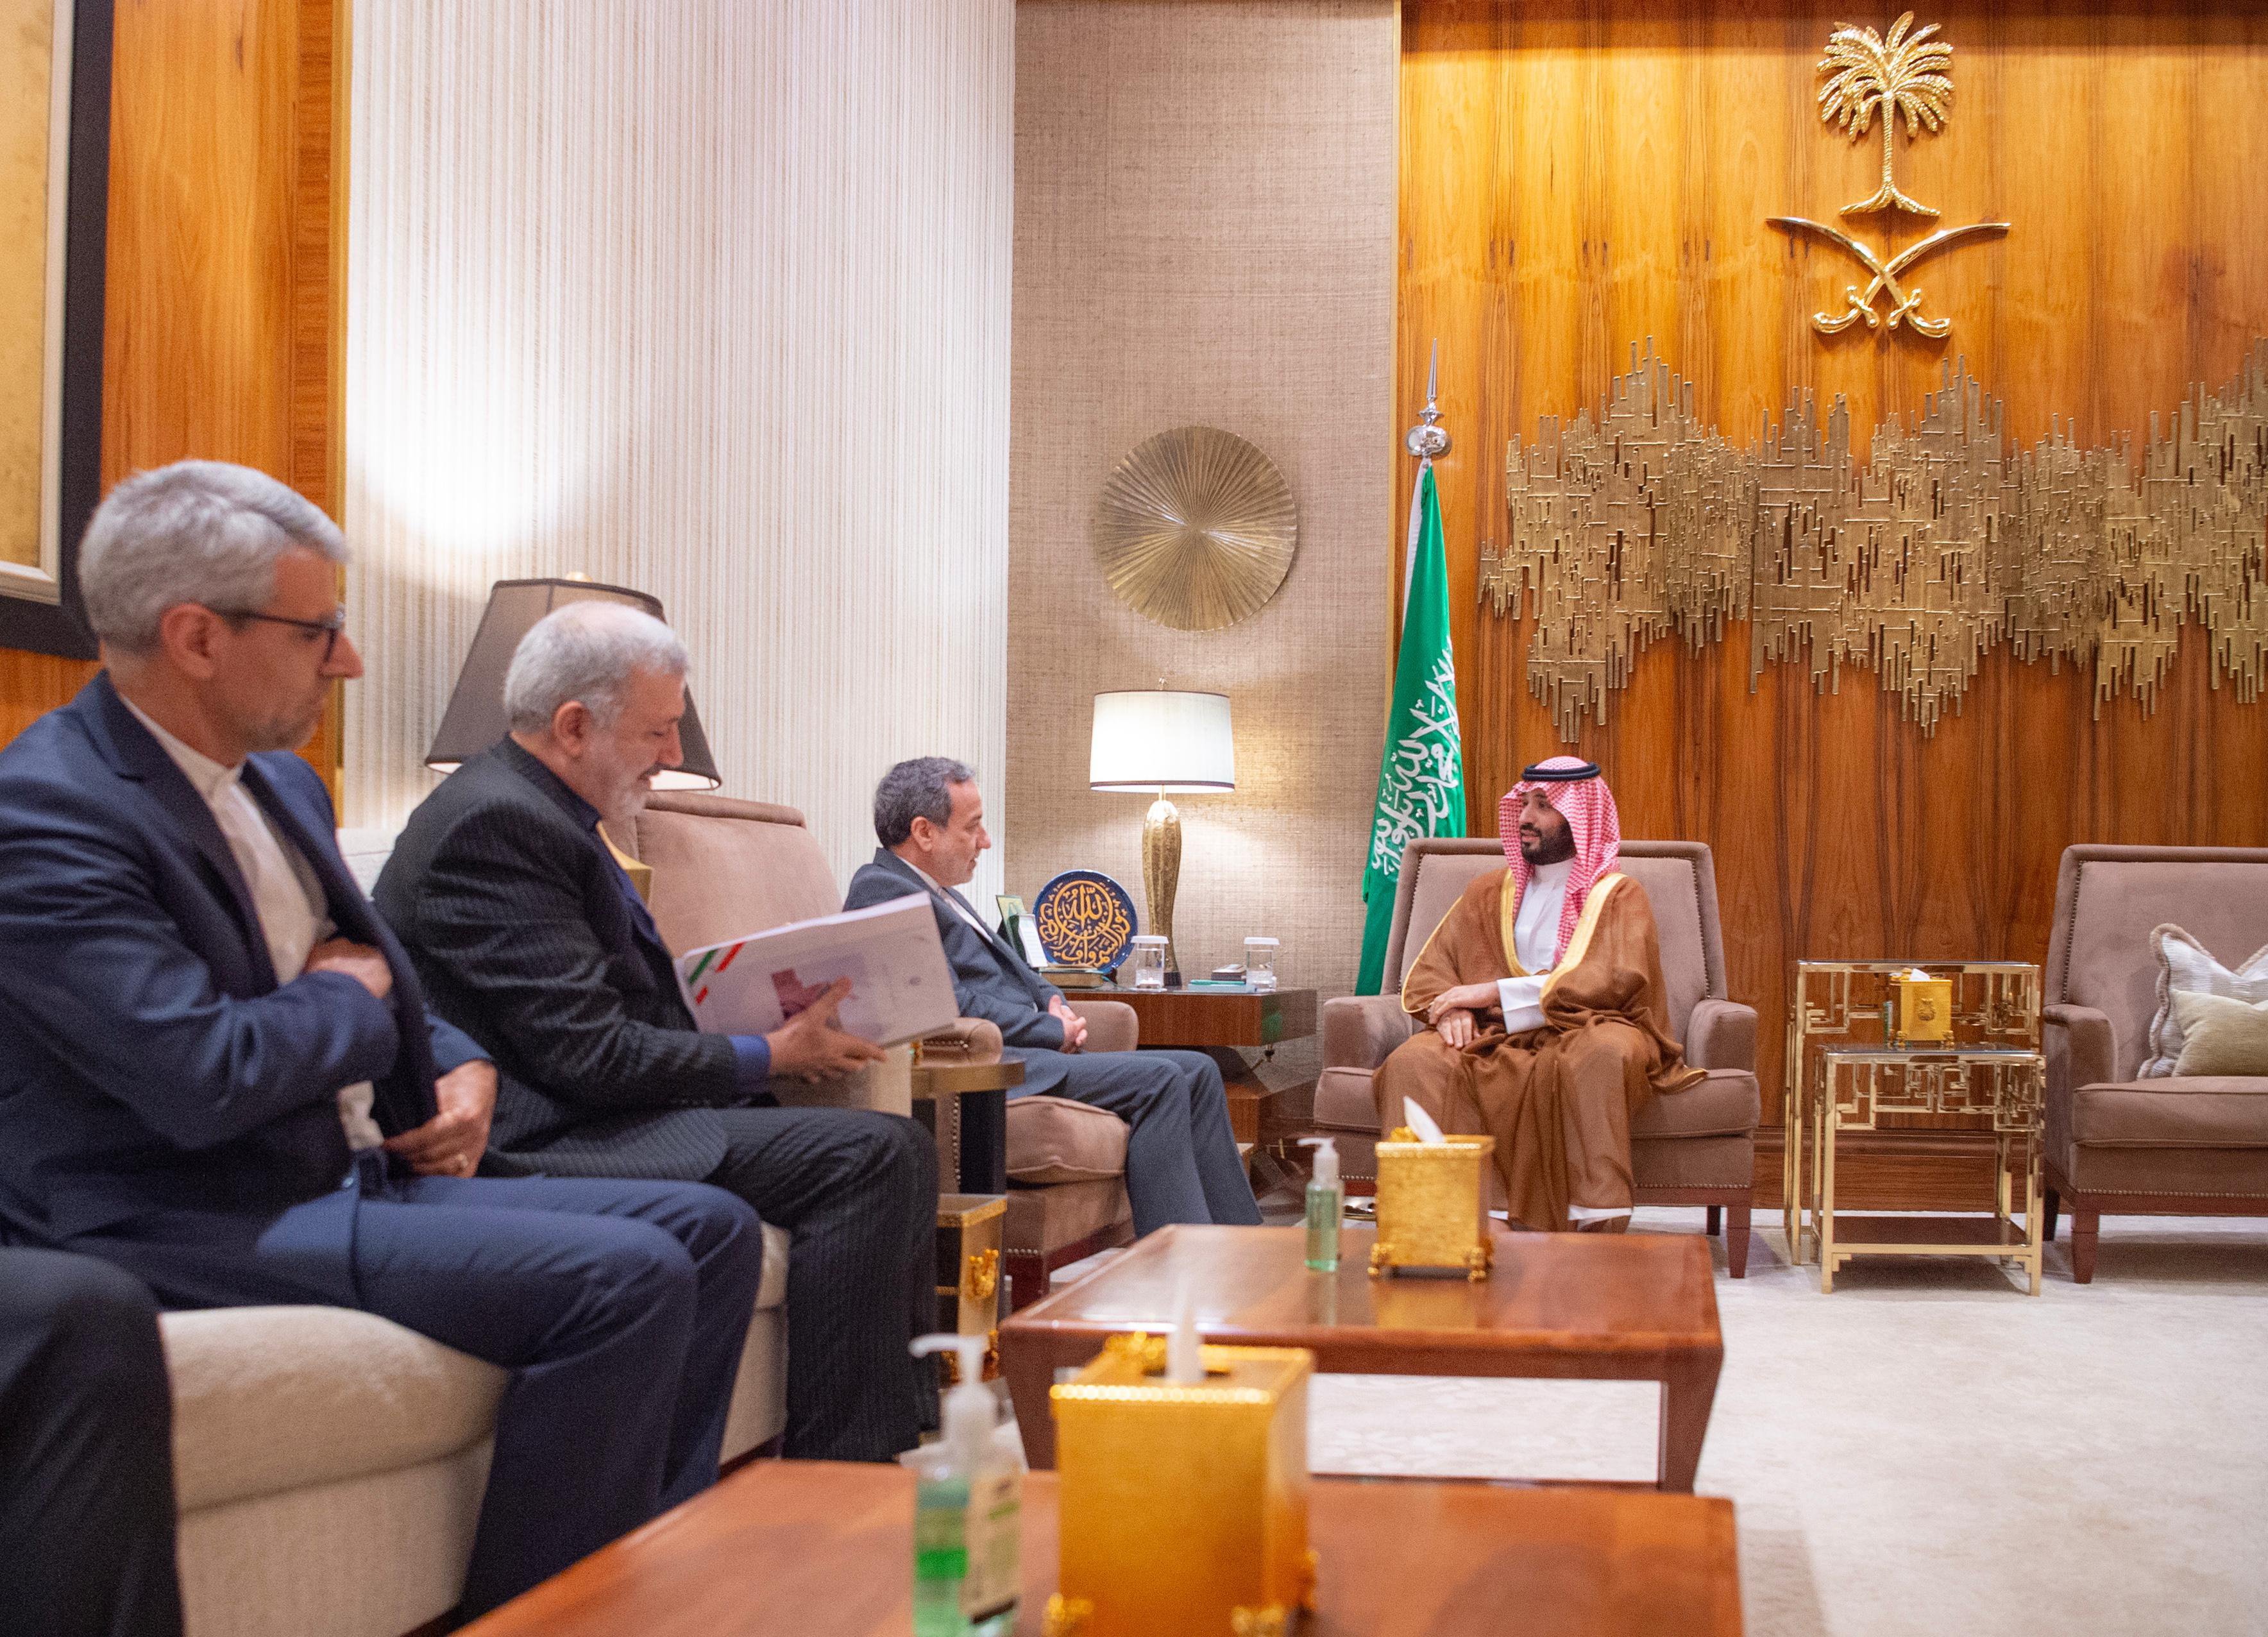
(1162, 872)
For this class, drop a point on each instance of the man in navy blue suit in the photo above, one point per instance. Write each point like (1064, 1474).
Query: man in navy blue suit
(216, 1069)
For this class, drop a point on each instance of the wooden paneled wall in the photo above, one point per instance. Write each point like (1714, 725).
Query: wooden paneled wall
(1580, 177)
(221, 332)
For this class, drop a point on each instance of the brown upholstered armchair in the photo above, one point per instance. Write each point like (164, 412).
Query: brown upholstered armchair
(1697, 1147)
(723, 868)
(2186, 1146)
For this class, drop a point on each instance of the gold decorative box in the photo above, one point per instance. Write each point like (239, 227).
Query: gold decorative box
(970, 1227)
(1432, 1210)
(1182, 1507)
(1924, 1009)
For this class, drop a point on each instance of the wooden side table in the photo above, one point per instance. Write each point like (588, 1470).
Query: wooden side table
(965, 1105)
(1228, 1022)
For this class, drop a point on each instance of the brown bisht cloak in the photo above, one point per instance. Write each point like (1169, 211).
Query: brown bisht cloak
(1558, 1099)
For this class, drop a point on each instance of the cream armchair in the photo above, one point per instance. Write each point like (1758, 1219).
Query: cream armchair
(723, 868)
(1697, 1147)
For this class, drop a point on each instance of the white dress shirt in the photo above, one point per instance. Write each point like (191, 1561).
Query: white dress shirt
(967, 913)
(1535, 940)
(285, 894)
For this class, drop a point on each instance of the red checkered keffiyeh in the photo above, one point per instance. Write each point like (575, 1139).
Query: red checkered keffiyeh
(1588, 806)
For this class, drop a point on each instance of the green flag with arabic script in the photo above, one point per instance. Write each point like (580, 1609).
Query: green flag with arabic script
(1421, 778)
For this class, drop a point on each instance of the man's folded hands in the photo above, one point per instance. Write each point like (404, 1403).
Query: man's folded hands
(452, 1142)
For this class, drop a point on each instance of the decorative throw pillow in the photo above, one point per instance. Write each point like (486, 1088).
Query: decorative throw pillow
(2220, 1035)
(2186, 965)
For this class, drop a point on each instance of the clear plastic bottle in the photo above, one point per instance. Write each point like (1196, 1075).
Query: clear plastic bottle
(1326, 1206)
(967, 1498)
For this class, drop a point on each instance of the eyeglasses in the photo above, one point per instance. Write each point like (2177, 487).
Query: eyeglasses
(330, 628)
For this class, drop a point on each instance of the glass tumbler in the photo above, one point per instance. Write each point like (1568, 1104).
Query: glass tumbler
(1260, 963)
(1148, 962)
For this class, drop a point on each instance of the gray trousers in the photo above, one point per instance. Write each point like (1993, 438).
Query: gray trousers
(857, 1191)
(1182, 1163)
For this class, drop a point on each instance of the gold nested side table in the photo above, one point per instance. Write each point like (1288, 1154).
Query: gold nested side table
(1845, 1069)
(1856, 1083)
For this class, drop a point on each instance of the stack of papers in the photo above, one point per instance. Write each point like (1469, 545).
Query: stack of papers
(901, 987)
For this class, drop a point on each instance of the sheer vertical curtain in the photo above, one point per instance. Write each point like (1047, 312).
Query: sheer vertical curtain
(705, 297)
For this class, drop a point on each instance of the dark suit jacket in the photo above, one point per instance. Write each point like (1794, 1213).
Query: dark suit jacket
(990, 979)
(515, 914)
(148, 1058)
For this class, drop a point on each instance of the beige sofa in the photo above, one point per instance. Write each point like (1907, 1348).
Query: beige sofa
(328, 1464)
(1697, 1147)
(2187, 1147)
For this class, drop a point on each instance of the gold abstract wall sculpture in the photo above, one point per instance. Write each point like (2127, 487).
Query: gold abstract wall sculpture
(1940, 543)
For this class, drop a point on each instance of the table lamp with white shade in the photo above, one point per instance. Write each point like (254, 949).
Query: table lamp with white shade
(1172, 743)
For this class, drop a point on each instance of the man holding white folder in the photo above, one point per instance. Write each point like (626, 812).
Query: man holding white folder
(530, 938)
(1181, 1161)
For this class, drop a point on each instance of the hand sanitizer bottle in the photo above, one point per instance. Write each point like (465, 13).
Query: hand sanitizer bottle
(967, 1494)
(1326, 1206)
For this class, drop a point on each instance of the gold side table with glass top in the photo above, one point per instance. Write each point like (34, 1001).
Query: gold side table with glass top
(1846, 1068)
(1855, 1084)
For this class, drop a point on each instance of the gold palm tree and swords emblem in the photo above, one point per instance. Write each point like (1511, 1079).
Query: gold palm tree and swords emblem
(1868, 76)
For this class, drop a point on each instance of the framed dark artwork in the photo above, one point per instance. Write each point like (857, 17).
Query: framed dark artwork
(55, 174)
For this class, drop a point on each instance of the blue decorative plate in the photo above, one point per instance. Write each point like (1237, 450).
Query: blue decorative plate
(1084, 919)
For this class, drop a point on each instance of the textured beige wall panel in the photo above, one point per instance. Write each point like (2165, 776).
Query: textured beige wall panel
(707, 298)
(1204, 232)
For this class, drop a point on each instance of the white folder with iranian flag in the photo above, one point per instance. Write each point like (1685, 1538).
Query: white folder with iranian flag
(901, 987)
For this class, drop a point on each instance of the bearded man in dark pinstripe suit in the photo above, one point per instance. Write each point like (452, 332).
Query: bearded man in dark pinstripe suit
(530, 938)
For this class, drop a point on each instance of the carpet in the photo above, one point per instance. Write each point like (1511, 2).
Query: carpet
(1928, 1450)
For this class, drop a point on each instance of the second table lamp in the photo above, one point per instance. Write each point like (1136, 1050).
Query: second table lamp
(1172, 743)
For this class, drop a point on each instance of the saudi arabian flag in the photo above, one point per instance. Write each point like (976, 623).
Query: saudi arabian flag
(1421, 778)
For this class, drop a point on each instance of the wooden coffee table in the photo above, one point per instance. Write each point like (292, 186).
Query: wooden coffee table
(1602, 1307)
(819, 1549)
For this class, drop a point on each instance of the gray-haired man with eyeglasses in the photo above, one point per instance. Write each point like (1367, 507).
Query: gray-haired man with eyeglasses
(217, 1069)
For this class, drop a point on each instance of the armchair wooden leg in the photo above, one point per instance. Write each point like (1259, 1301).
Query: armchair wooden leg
(2083, 1226)
(2048, 1204)
(1715, 1222)
(1028, 1278)
(1736, 1239)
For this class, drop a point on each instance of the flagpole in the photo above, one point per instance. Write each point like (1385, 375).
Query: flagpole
(1426, 439)
(1421, 788)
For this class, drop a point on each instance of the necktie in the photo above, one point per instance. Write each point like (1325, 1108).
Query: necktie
(287, 922)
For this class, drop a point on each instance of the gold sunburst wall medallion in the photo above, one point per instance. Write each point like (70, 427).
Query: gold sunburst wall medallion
(1196, 529)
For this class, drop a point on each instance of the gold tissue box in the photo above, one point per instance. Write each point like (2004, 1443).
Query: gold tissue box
(1431, 1214)
(1924, 1009)
(1182, 1507)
